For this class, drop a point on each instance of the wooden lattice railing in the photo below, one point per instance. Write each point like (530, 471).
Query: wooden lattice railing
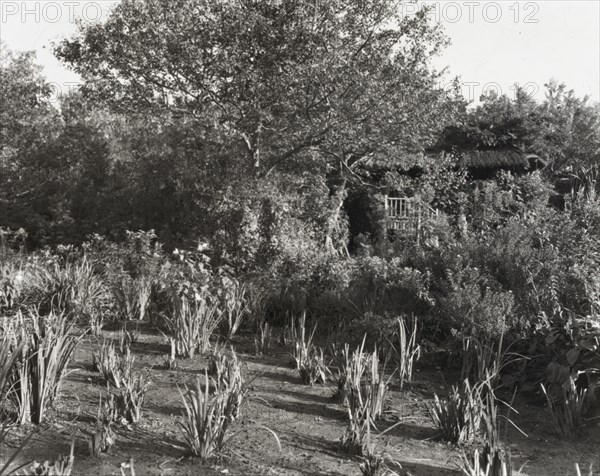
(408, 214)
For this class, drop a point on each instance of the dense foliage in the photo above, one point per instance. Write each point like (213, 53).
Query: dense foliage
(242, 135)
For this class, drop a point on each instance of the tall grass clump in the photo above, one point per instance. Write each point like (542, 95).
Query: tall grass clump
(11, 284)
(567, 410)
(208, 416)
(458, 416)
(115, 368)
(406, 350)
(132, 297)
(126, 405)
(194, 320)
(230, 381)
(75, 288)
(234, 304)
(483, 359)
(263, 338)
(204, 423)
(360, 379)
(44, 344)
(492, 459)
(309, 359)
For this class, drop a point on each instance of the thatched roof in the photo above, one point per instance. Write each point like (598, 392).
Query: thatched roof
(473, 159)
(386, 162)
(491, 159)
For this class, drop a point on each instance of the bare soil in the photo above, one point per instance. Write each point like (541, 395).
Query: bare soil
(307, 421)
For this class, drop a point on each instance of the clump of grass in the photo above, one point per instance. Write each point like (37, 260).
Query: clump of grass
(75, 289)
(567, 410)
(204, 424)
(458, 417)
(309, 359)
(229, 380)
(217, 359)
(493, 459)
(360, 379)
(130, 400)
(132, 297)
(104, 436)
(235, 307)
(44, 345)
(114, 368)
(192, 324)
(354, 439)
(11, 282)
(362, 387)
(171, 360)
(10, 352)
(263, 338)
(208, 417)
(406, 350)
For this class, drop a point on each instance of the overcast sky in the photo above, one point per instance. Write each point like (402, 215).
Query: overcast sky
(494, 44)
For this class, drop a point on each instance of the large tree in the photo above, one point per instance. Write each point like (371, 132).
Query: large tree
(273, 85)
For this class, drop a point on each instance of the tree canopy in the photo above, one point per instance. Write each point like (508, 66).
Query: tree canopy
(275, 82)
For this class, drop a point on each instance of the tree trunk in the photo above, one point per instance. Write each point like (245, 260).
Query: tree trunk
(333, 223)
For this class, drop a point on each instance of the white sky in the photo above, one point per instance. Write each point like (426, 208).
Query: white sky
(494, 44)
